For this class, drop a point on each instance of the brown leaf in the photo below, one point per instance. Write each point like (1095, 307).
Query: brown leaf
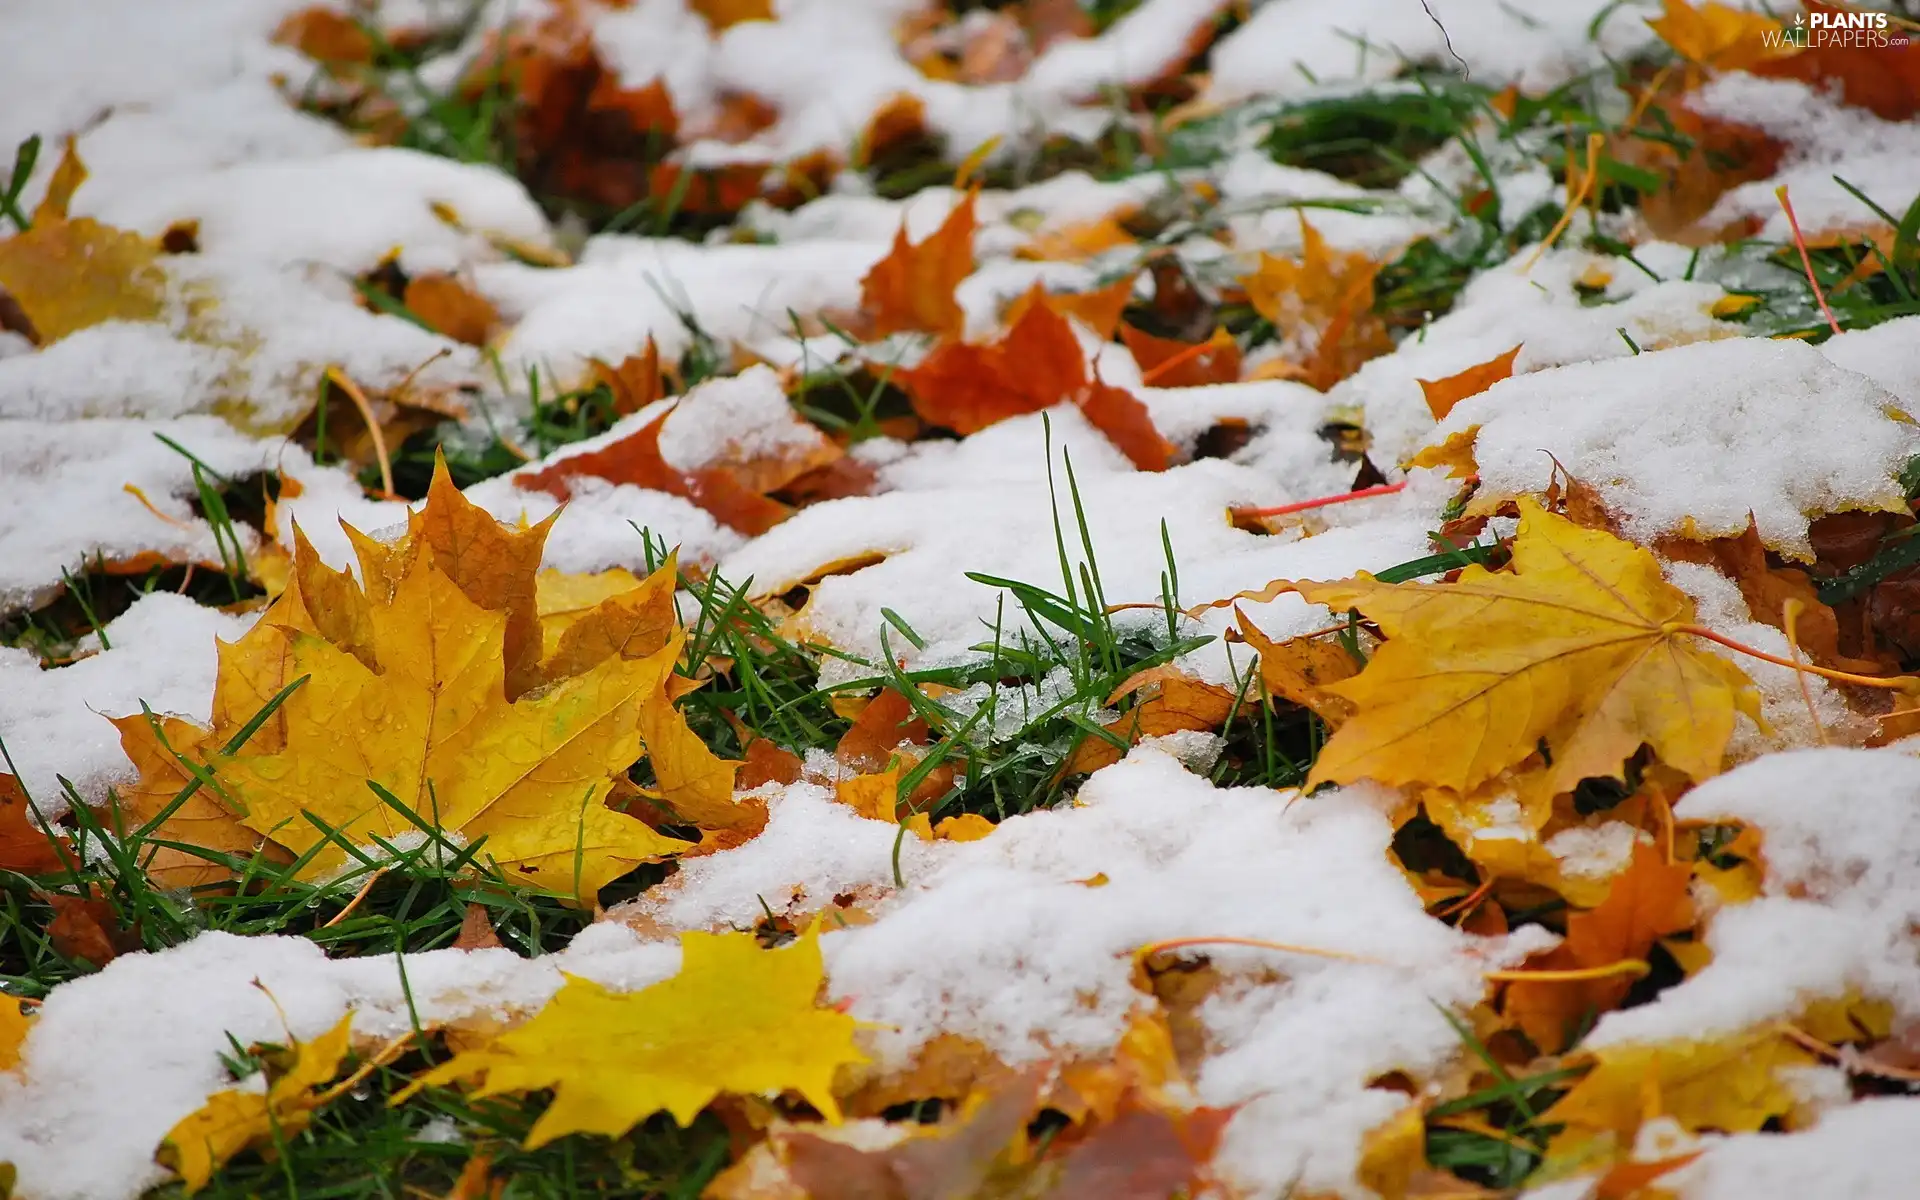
(450, 308)
(1170, 702)
(476, 930)
(1443, 394)
(767, 763)
(87, 929)
(1322, 305)
(24, 846)
(911, 289)
(325, 36)
(1145, 1153)
(966, 388)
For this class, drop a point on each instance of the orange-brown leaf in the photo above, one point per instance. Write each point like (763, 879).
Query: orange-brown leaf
(966, 388)
(1120, 415)
(1443, 394)
(1322, 306)
(1882, 78)
(886, 722)
(635, 382)
(1169, 363)
(1648, 901)
(1098, 310)
(24, 846)
(724, 14)
(911, 289)
(203, 820)
(451, 308)
(768, 762)
(325, 36)
(87, 928)
(1169, 702)
(1297, 669)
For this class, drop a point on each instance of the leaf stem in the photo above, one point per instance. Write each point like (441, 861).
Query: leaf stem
(1152, 948)
(1806, 260)
(1626, 966)
(1898, 683)
(1384, 489)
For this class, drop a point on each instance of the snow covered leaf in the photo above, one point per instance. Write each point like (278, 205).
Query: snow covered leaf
(635, 381)
(436, 730)
(1581, 646)
(1322, 308)
(1648, 901)
(236, 1118)
(735, 1019)
(725, 446)
(1443, 394)
(1732, 1084)
(1717, 36)
(24, 846)
(68, 274)
(911, 289)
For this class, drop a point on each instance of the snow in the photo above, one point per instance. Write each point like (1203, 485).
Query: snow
(1736, 427)
(1867, 1151)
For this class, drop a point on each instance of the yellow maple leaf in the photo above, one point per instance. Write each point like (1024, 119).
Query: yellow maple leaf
(203, 819)
(1583, 646)
(1730, 1084)
(236, 1118)
(434, 728)
(67, 274)
(736, 1019)
(563, 598)
(1719, 37)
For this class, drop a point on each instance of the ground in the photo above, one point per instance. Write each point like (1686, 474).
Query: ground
(825, 598)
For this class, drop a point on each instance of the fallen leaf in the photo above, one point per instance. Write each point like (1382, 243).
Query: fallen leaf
(1719, 37)
(1077, 242)
(1168, 702)
(436, 729)
(940, 1162)
(202, 820)
(1648, 901)
(88, 928)
(1145, 1153)
(1119, 414)
(476, 930)
(231, 1120)
(1169, 363)
(635, 381)
(26, 846)
(1730, 1084)
(967, 827)
(1579, 647)
(1322, 308)
(736, 1019)
(449, 307)
(66, 275)
(1443, 394)
(1299, 669)
(884, 723)
(767, 762)
(1883, 78)
(1098, 310)
(911, 289)
(325, 36)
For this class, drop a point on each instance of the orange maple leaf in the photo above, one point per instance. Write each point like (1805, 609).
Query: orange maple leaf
(1322, 306)
(911, 289)
(1170, 363)
(1038, 364)
(1443, 394)
(1648, 901)
(1883, 78)
(24, 846)
(1718, 37)
(1098, 310)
